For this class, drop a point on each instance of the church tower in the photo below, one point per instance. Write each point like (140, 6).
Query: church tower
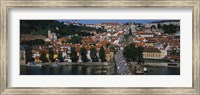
(49, 33)
(132, 28)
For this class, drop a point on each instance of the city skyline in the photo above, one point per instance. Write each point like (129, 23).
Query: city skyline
(97, 21)
(110, 47)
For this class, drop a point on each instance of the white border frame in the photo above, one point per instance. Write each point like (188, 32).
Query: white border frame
(183, 80)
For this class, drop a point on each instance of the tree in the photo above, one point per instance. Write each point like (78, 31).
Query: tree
(43, 57)
(130, 52)
(175, 52)
(107, 45)
(130, 32)
(75, 40)
(83, 53)
(38, 42)
(60, 56)
(51, 54)
(159, 26)
(40, 27)
(73, 55)
(25, 43)
(153, 27)
(33, 42)
(170, 28)
(102, 54)
(113, 48)
(139, 55)
(24, 27)
(37, 27)
(93, 55)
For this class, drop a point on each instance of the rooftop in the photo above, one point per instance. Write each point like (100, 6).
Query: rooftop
(151, 49)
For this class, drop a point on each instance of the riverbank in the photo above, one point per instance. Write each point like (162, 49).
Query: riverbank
(89, 70)
(157, 64)
(78, 63)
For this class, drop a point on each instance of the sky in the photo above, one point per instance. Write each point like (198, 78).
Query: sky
(116, 21)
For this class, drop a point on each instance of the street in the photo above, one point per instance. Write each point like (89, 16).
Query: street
(122, 66)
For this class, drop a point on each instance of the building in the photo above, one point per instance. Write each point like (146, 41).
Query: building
(150, 43)
(25, 54)
(109, 54)
(152, 53)
(110, 26)
(73, 22)
(132, 27)
(149, 25)
(52, 36)
(144, 34)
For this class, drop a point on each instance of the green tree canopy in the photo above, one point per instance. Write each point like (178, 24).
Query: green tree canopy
(139, 55)
(43, 57)
(107, 45)
(73, 55)
(51, 54)
(40, 27)
(159, 26)
(113, 48)
(153, 27)
(93, 55)
(60, 58)
(75, 40)
(83, 53)
(33, 42)
(175, 52)
(170, 28)
(130, 52)
(37, 27)
(102, 54)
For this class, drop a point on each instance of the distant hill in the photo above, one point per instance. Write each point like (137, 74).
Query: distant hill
(161, 21)
(40, 27)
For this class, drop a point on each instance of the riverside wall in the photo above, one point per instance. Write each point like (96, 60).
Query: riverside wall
(159, 64)
(78, 63)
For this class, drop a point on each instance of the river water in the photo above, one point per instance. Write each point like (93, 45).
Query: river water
(89, 70)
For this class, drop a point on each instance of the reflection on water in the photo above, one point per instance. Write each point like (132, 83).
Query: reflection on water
(88, 70)
(62, 70)
(163, 70)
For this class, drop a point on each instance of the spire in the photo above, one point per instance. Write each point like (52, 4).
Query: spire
(49, 33)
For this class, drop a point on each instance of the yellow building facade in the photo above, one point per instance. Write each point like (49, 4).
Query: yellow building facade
(152, 53)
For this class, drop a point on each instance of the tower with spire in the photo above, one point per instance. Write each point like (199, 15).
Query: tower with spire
(132, 28)
(49, 33)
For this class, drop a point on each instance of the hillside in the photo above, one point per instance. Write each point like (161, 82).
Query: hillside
(40, 27)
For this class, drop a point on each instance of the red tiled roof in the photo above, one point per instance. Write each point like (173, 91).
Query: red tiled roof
(139, 44)
(97, 46)
(144, 33)
(139, 39)
(103, 42)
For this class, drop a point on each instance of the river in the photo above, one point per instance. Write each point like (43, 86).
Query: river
(89, 70)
